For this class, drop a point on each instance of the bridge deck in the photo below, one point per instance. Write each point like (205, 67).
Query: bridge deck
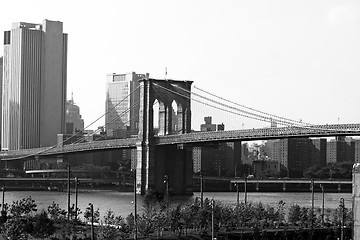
(195, 137)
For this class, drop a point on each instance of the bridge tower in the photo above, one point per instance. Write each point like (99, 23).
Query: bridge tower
(174, 162)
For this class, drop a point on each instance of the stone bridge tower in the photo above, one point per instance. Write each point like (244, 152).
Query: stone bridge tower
(173, 161)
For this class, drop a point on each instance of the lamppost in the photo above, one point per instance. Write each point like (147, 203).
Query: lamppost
(76, 196)
(212, 219)
(312, 202)
(166, 182)
(342, 206)
(68, 193)
(201, 189)
(237, 194)
(312, 195)
(245, 190)
(92, 220)
(3, 213)
(135, 205)
(3, 198)
(323, 204)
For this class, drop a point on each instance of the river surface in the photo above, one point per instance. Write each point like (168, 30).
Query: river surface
(122, 202)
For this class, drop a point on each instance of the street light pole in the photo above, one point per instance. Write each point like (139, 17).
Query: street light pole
(92, 220)
(68, 193)
(212, 219)
(166, 181)
(312, 202)
(323, 204)
(3, 199)
(135, 206)
(237, 194)
(76, 196)
(342, 205)
(245, 190)
(201, 189)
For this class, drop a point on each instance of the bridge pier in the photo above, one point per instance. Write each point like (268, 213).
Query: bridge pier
(154, 161)
(174, 161)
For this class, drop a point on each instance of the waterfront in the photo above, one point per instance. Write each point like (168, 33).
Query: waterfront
(122, 202)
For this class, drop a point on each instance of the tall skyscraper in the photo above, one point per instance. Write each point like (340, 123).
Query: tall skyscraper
(34, 85)
(74, 122)
(122, 111)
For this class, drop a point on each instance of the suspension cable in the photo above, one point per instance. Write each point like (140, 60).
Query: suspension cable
(255, 118)
(252, 109)
(76, 134)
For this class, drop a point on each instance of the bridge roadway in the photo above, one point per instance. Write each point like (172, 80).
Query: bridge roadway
(193, 138)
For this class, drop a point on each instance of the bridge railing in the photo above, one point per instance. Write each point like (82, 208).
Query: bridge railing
(263, 133)
(105, 144)
(79, 147)
(245, 134)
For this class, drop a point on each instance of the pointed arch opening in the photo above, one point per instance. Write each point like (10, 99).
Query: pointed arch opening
(156, 108)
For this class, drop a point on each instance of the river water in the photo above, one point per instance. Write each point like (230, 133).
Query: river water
(122, 202)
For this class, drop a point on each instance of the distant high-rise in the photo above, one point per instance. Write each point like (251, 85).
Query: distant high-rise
(74, 122)
(218, 160)
(122, 107)
(341, 149)
(34, 85)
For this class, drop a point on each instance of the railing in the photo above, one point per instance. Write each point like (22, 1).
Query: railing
(197, 137)
(79, 147)
(262, 133)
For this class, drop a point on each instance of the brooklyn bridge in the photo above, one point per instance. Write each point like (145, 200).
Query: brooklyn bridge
(167, 151)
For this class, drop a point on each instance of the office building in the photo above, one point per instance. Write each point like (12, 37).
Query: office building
(218, 159)
(74, 122)
(341, 149)
(122, 107)
(319, 152)
(297, 154)
(34, 85)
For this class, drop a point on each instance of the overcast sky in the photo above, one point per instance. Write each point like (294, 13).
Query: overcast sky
(298, 59)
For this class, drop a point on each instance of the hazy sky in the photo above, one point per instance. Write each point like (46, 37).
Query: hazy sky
(298, 59)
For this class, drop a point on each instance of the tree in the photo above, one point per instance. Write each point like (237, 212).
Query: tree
(87, 214)
(14, 228)
(23, 207)
(106, 232)
(56, 213)
(43, 226)
(294, 214)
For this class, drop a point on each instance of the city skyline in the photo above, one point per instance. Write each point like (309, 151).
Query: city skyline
(294, 59)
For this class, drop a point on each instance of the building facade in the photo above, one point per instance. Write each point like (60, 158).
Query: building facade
(297, 154)
(341, 149)
(121, 105)
(218, 159)
(34, 85)
(74, 122)
(357, 150)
